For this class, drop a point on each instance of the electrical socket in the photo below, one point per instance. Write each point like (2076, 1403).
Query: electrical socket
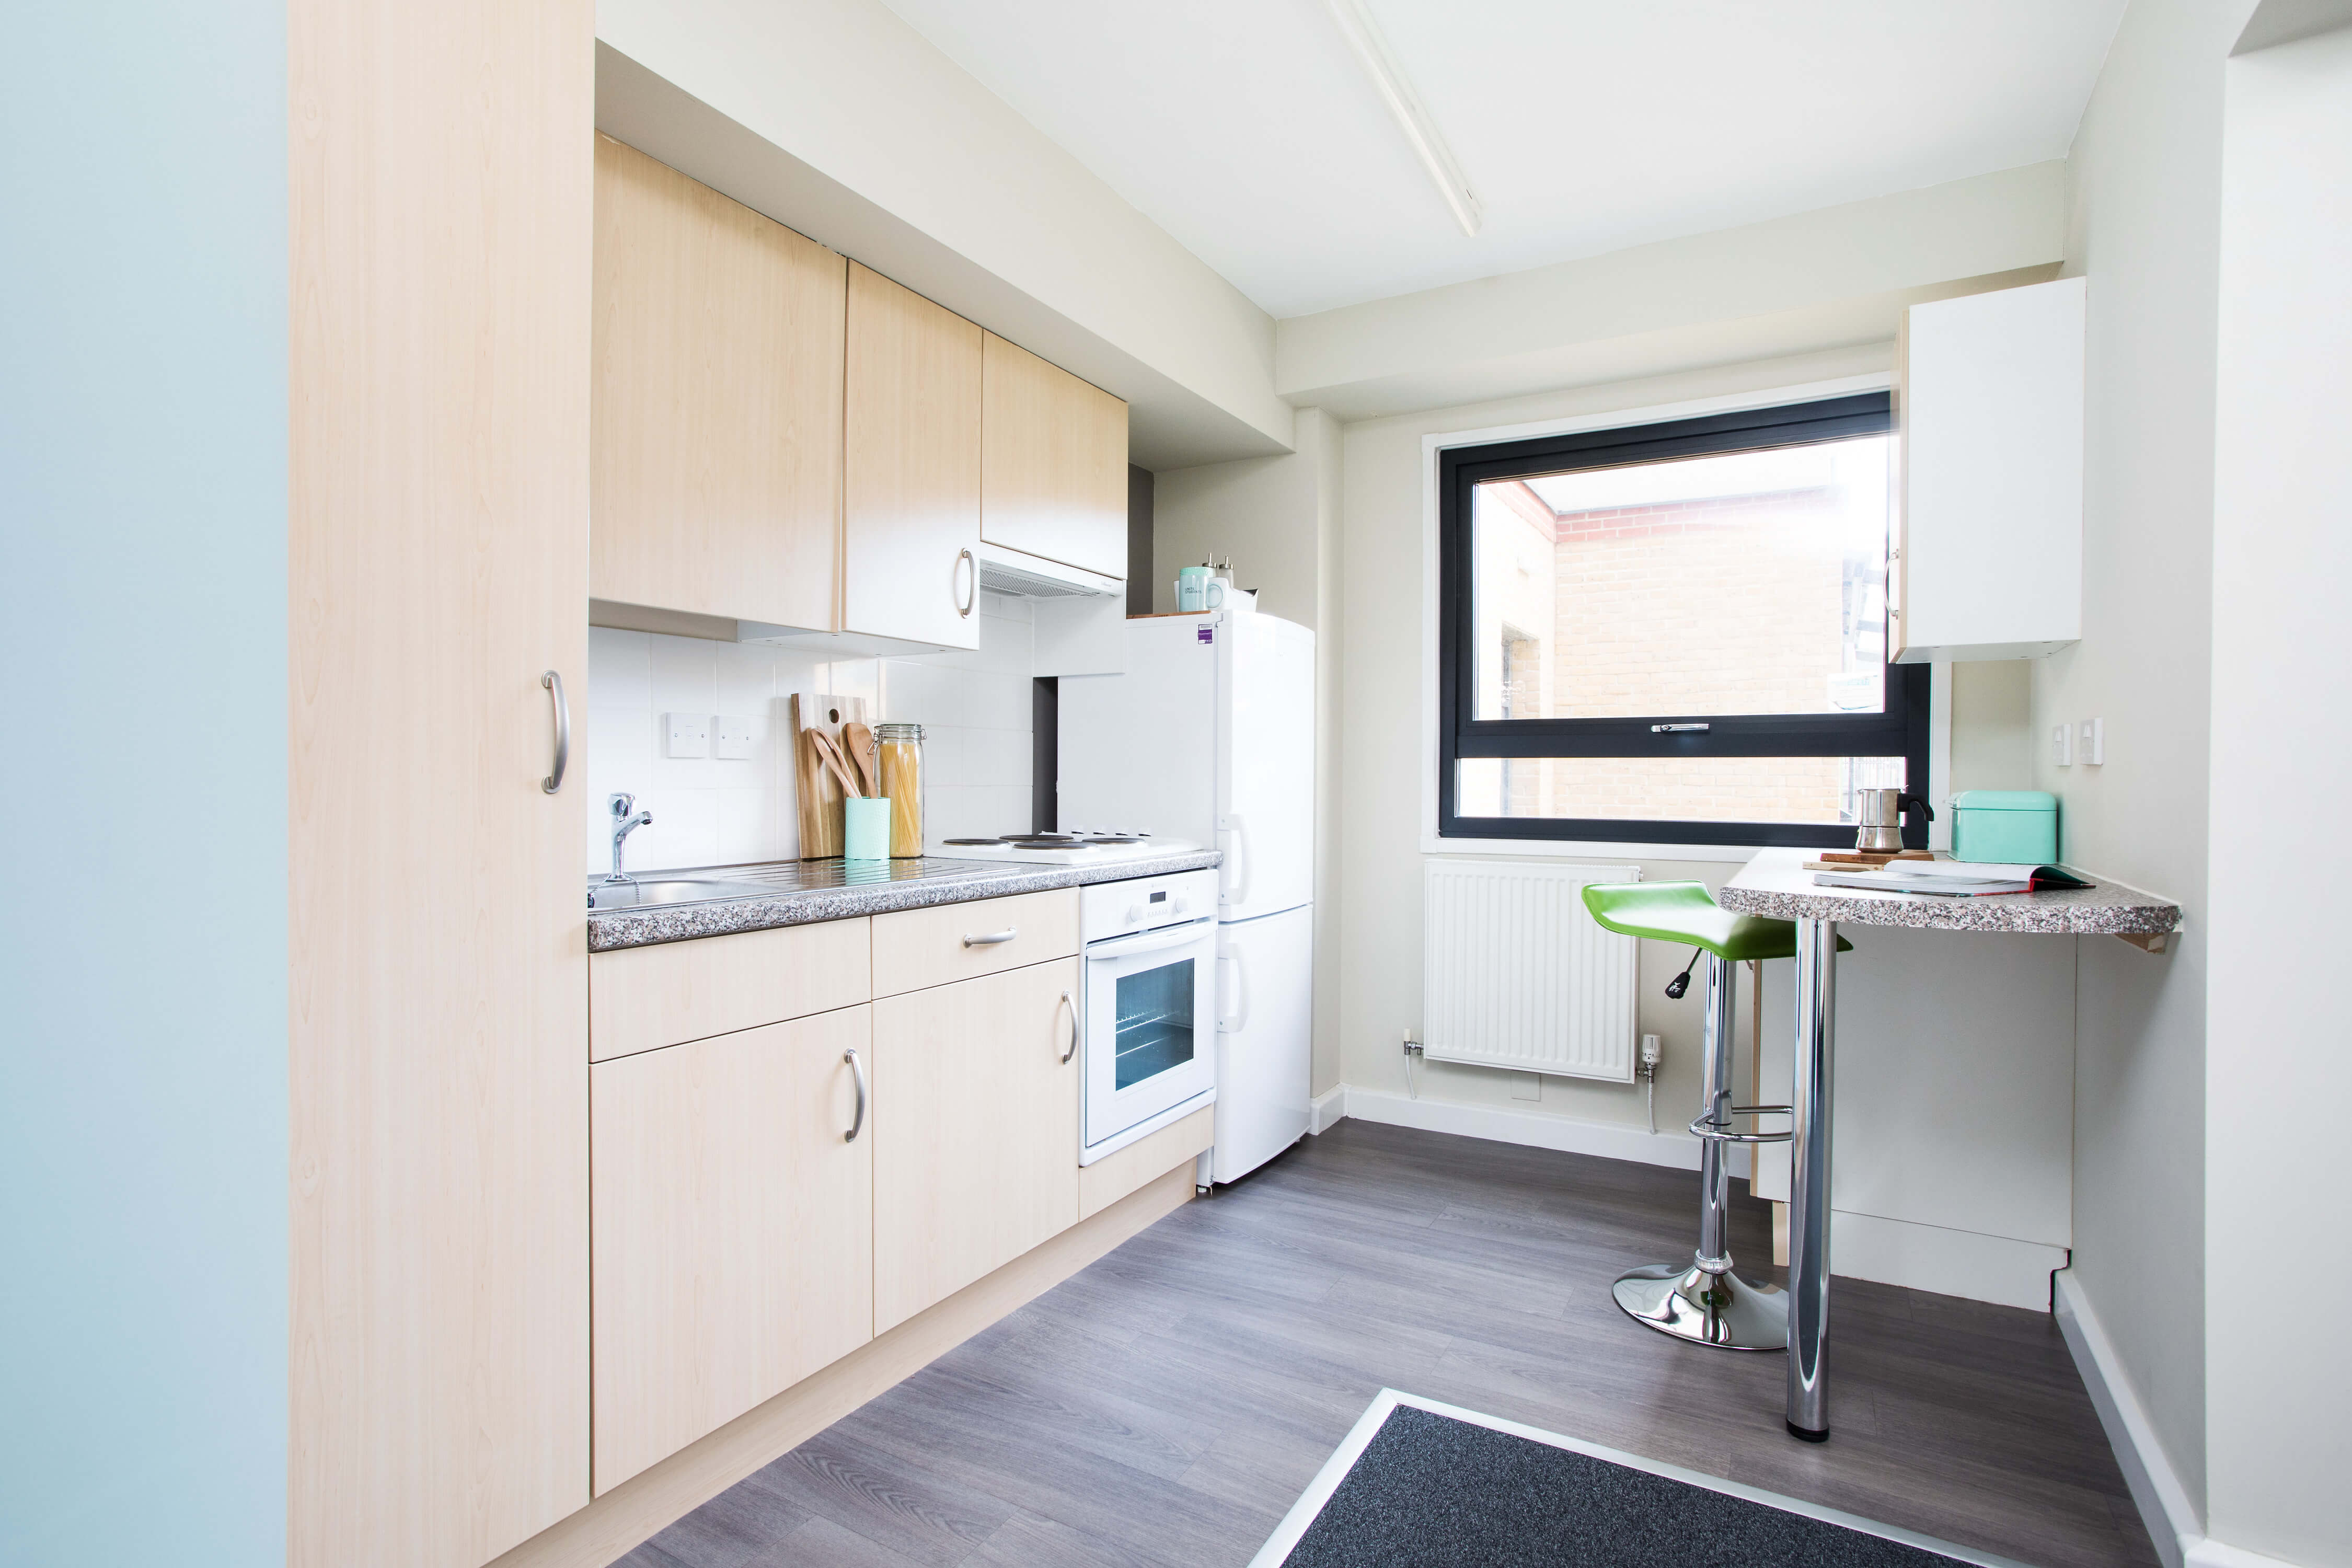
(730, 737)
(2062, 746)
(2095, 743)
(686, 734)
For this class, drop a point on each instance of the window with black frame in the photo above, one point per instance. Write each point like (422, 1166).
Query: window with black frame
(1674, 632)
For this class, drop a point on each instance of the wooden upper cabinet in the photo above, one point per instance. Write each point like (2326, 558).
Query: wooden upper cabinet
(911, 473)
(1053, 463)
(714, 467)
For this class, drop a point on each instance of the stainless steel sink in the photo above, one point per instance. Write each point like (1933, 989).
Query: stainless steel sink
(652, 892)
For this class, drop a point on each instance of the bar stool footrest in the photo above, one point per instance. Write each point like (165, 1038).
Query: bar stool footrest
(1716, 1133)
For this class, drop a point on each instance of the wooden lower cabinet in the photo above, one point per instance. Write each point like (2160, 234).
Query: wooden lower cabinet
(976, 1131)
(733, 1229)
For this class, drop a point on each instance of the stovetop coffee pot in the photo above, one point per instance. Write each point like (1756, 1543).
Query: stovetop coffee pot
(1882, 818)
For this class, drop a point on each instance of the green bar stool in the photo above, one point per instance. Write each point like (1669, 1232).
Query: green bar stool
(1703, 1301)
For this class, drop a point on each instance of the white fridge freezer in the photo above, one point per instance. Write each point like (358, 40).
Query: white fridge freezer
(1265, 1028)
(1209, 735)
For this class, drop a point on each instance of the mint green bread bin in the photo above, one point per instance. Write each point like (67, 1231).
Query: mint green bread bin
(2017, 826)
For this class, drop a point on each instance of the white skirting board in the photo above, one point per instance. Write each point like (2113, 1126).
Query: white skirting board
(1328, 1109)
(1995, 1268)
(1863, 1246)
(1605, 1138)
(2173, 1523)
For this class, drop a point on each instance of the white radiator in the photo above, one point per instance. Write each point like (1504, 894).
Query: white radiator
(1515, 973)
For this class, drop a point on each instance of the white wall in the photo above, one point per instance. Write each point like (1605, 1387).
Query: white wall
(2145, 172)
(1382, 748)
(1993, 724)
(967, 191)
(1958, 1179)
(975, 710)
(2277, 1442)
(143, 628)
(1812, 280)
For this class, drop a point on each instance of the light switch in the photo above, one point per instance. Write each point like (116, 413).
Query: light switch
(2061, 745)
(730, 737)
(686, 734)
(2095, 742)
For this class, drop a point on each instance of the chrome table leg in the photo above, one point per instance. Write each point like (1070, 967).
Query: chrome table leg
(1809, 1181)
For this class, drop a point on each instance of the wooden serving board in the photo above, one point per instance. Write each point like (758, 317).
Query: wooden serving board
(1862, 859)
(818, 790)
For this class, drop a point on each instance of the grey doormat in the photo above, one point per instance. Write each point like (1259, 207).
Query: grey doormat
(1423, 1485)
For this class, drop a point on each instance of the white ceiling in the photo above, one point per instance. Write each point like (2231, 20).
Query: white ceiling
(1246, 129)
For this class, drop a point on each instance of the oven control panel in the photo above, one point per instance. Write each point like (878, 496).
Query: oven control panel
(1115, 909)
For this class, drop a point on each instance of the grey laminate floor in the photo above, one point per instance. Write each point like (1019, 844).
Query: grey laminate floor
(1167, 1405)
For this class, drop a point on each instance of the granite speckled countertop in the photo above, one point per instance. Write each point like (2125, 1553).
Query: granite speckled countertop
(798, 892)
(1776, 884)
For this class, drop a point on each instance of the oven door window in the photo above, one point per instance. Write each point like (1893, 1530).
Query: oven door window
(1154, 1027)
(1151, 1031)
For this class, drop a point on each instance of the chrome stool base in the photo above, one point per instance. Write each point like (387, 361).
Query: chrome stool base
(1719, 1310)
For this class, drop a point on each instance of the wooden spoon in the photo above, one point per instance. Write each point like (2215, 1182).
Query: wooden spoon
(858, 741)
(831, 752)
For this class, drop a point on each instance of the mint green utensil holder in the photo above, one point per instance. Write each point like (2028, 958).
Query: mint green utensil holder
(866, 828)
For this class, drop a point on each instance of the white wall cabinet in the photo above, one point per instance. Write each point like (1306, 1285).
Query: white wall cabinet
(1989, 477)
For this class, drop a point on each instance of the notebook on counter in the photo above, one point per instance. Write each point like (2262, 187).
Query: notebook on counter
(1953, 878)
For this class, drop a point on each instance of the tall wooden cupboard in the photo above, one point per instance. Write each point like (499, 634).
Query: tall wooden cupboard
(439, 227)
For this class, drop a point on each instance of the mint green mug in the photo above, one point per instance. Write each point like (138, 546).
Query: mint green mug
(1198, 589)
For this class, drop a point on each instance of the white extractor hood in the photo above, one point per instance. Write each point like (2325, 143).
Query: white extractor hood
(1019, 576)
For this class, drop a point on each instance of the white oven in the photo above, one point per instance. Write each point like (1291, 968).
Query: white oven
(1150, 1000)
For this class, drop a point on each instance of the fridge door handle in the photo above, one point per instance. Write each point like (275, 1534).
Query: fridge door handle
(1237, 893)
(1232, 1023)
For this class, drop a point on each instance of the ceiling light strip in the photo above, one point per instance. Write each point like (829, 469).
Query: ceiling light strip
(1364, 36)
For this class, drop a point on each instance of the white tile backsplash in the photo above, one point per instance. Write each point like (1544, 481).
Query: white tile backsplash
(975, 708)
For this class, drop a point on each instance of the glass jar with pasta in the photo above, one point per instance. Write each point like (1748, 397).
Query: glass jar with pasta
(899, 751)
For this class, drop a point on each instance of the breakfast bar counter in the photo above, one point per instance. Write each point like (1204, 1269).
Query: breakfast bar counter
(1776, 884)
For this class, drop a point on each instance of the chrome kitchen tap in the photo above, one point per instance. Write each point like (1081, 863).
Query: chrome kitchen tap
(626, 819)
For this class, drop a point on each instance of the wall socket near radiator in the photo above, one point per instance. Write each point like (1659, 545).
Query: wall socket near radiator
(1526, 1086)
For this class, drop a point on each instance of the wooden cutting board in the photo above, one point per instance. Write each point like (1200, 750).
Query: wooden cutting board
(1862, 859)
(818, 792)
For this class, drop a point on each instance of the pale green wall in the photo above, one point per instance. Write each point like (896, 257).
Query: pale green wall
(143, 933)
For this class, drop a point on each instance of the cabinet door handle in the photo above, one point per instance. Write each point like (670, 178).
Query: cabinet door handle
(554, 685)
(992, 938)
(1072, 1006)
(971, 583)
(857, 1069)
